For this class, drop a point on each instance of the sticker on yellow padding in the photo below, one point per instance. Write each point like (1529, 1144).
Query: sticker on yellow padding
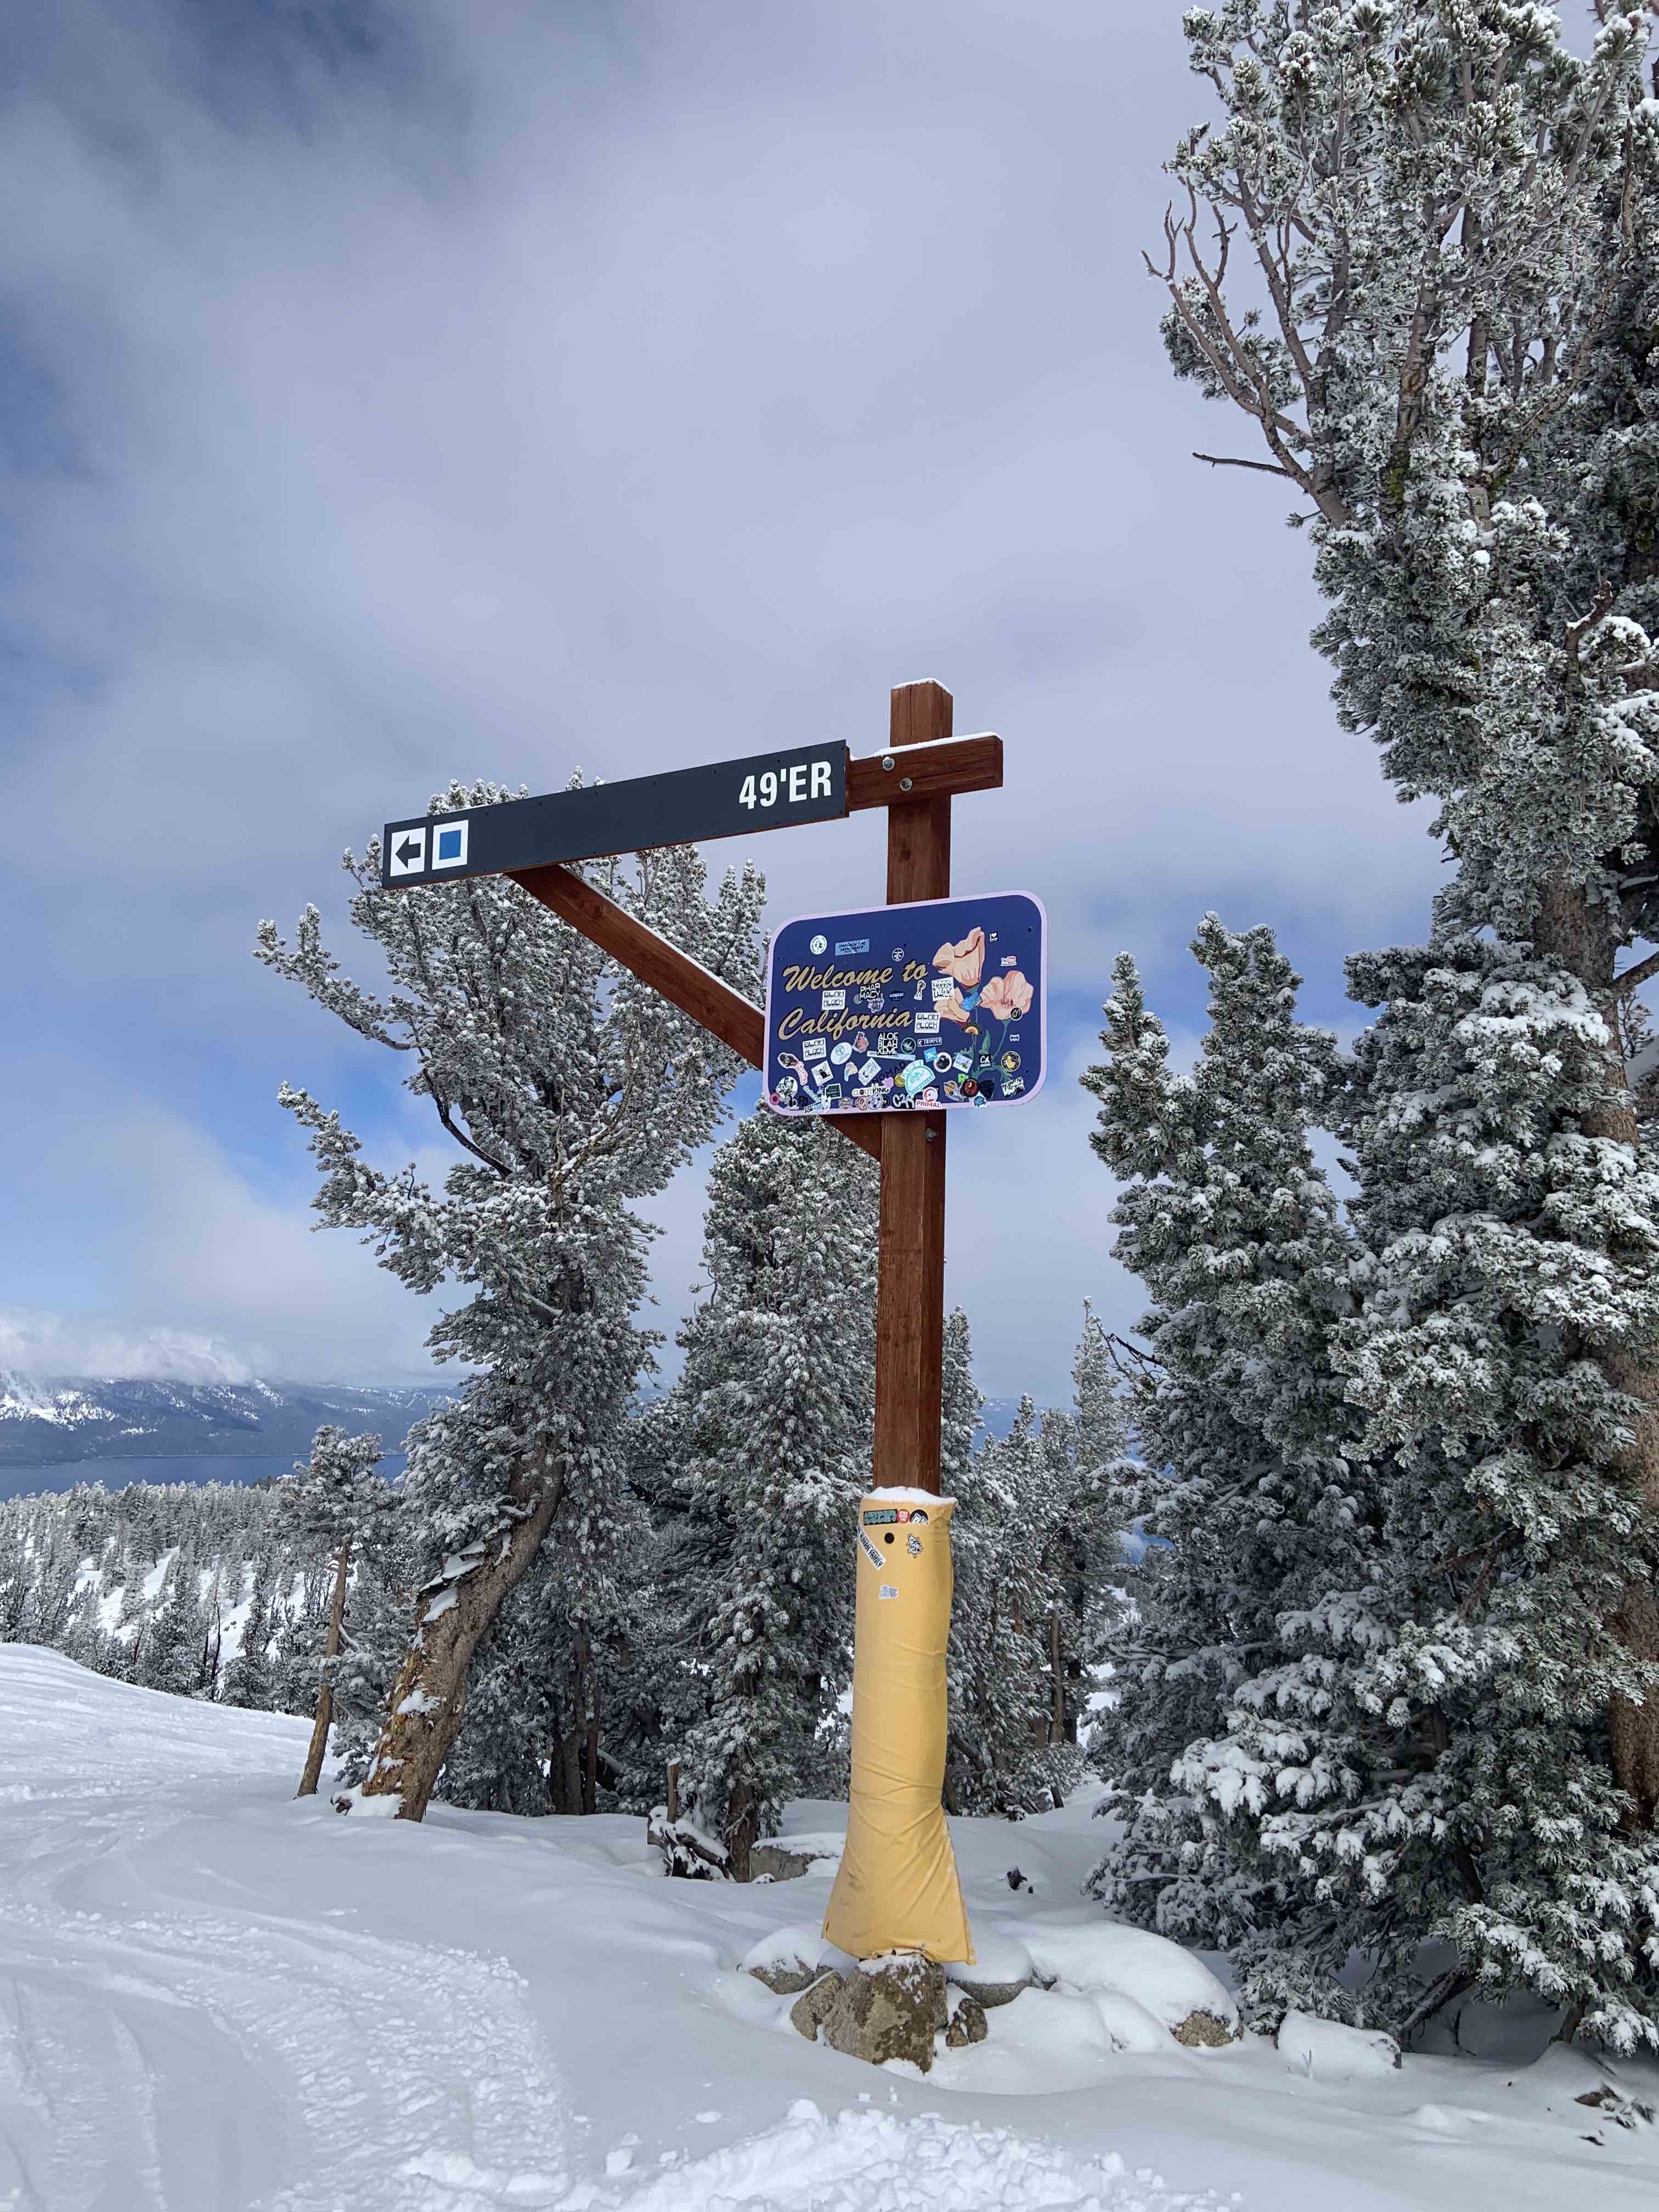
(897, 1888)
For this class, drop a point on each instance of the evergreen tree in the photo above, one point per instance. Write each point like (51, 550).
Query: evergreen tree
(569, 1090)
(542, 1697)
(83, 1639)
(999, 1752)
(1104, 1517)
(172, 1650)
(1456, 1770)
(1456, 219)
(1028, 1551)
(337, 1503)
(68, 1555)
(373, 1641)
(774, 1407)
(1098, 1409)
(1247, 1494)
(250, 1678)
(132, 1619)
(55, 1582)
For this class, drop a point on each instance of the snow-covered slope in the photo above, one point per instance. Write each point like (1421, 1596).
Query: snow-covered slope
(214, 1998)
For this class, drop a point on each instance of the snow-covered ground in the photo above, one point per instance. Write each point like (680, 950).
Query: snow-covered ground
(212, 1997)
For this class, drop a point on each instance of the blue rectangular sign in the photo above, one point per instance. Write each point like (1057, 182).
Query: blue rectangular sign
(929, 1005)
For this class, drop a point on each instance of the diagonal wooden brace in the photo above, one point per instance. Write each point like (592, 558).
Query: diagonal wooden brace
(682, 980)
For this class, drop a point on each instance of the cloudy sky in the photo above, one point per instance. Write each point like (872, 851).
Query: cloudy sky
(393, 392)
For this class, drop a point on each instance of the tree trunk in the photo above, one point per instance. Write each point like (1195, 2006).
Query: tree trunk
(1057, 1682)
(1578, 935)
(321, 1726)
(591, 1757)
(570, 1767)
(742, 1831)
(452, 1617)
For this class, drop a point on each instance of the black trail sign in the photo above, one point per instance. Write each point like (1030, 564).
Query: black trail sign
(686, 806)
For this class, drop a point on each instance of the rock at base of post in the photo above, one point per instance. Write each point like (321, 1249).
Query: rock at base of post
(891, 2008)
(809, 2010)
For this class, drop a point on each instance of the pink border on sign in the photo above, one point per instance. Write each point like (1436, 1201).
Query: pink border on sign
(909, 906)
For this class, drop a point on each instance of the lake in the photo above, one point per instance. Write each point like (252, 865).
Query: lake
(116, 1473)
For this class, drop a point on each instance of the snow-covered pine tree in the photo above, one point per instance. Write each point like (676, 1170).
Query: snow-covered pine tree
(545, 1687)
(1507, 1255)
(569, 1090)
(774, 1412)
(69, 1555)
(1406, 1684)
(652, 1697)
(1245, 1488)
(373, 1642)
(1100, 1416)
(82, 1638)
(1002, 1753)
(249, 1679)
(1456, 220)
(172, 1654)
(962, 1402)
(1099, 1408)
(1066, 1561)
(338, 1504)
(1030, 1545)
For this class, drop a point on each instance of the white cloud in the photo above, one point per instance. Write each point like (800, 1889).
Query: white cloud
(37, 1343)
(544, 388)
(206, 1275)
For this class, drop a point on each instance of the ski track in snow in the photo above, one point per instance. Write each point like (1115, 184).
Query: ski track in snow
(213, 2000)
(161, 2060)
(226, 2060)
(167, 2062)
(395, 2064)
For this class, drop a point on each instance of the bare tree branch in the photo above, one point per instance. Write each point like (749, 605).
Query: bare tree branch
(1635, 976)
(1129, 1361)
(1579, 630)
(1228, 461)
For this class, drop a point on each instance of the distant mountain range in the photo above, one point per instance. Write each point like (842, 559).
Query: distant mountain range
(51, 1420)
(45, 1420)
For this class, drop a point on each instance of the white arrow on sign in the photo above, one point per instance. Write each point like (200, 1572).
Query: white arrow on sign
(408, 854)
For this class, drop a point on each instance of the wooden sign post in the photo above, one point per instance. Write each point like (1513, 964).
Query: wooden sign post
(911, 1147)
(923, 766)
(910, 1250)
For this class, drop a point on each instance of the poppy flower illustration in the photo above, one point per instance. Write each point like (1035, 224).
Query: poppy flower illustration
(1006, 996)
(964, 962)
(952, 1009)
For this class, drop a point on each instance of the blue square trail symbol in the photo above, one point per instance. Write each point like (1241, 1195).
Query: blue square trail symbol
(449, 845)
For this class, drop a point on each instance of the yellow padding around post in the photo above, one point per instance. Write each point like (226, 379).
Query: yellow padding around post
(897, 1888)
